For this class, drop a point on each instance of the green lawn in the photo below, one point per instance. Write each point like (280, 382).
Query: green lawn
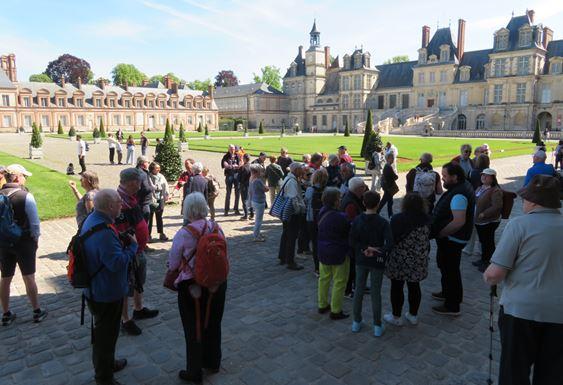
(160, 134)
(410, 148)
(49, 187)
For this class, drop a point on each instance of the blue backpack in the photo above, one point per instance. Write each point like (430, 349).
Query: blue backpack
(10, 232)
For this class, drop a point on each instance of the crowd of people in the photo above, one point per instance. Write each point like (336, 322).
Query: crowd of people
(334, 217)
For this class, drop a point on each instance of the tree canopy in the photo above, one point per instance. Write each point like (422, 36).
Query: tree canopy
(397, 59)
(127, 73)
(69, 68)
(270, 75)
(200, 85)
(160, 78)
(226, 78)
(42, 78)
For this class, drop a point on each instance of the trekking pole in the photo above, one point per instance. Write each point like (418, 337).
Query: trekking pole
(492, 295)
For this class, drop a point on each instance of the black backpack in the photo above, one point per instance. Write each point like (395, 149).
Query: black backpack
(316, 202)
(10, 232)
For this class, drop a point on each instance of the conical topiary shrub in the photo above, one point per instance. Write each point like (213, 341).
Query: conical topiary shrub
(36, 139)
(102, 129)
(206, 131)
(168, 132)
(182, 134)
(346, 130)
(537, 134)
(169, 159)
(60, 129)
(72, 131)
(367, 134)
(261, 128)
(199, 128)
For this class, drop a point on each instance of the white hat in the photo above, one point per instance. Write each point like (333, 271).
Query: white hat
(489, 171)
(17, 169)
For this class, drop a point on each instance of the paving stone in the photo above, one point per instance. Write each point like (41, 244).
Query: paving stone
(336, 369)
(52, 368)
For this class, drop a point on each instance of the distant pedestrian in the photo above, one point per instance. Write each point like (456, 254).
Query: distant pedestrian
(90, 183)
(231, 163)
(119, 150)
(274, 175)
(559, 155)
(539, 167)
(144, 144)
(257, 198)
(112, 143)
(389, 185)
(81, 153)
(130, 150)
(425, 181)
(159, 199)
(244, 180)
(375, 167)
(284, 160)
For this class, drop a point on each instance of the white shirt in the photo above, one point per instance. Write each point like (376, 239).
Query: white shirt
(111, 142)
(392, 150)
(81, 148)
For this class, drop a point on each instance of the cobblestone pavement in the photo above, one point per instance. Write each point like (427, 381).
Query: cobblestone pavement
(272, 333)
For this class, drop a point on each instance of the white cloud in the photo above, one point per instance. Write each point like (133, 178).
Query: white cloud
(116, 28)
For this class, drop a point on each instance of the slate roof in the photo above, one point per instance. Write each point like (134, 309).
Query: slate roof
(332, 84)
(36, 86)
(300, 61)
(513, 27)
(314, 29)
(441, 36)
(5, 81)
(554, 48)
(476, 60)
(245, 90)
(353, 61)
(396, 74)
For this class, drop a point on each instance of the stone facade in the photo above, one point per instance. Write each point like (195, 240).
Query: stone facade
(83, 106)
(507, 87)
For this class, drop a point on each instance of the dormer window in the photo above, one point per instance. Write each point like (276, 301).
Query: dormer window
(79, 103)
(444, 53)
(44, 102)
(422, 56)
(432, 59)
(525, 37)
(464, 74)
(61, 102)
(555, 67)
(293, 69)
(501, 40)
(98, 103)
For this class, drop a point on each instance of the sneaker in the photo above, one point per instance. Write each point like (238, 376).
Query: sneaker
(8, 318)
(131, 328)
(349, 295)
(316, 272)
(411, 318)
(324, 310)
(237, 212)
(391, 319)
(259, 239)
(39, 315)
(438, 296)
(378, 330)
(119, 364)
(163, 237)
(356, 326)
(442, 310)
(144, 313)
(243, 218)
(186, 376)
(294, 267)
(338, 316)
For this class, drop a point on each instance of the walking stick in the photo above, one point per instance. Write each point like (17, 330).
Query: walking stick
(492, 295)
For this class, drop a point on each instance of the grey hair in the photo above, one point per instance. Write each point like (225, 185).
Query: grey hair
(294, 166)
(256, 168)
(348, 166)
(104, 198)
(355, 182)
(129, 174)
(540, 154)
(426, 157)
(197, 168)
(465, 147)
(332, 157)
(330, 196)
(195, 207)
(142, 159)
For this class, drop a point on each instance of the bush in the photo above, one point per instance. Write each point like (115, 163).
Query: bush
(96, 133)
(537, 134)
(36, 139)
(60, 129)
(373, 142)
(168, 132)
(261, 128)
(170, 160)
(182, 134)
(245, 130)
(206, 130)
(282, 129)
(346, 130)
(199, 128)
(102, 129)
(72, 131)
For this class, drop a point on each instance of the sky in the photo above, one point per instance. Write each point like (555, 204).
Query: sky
(196, 39)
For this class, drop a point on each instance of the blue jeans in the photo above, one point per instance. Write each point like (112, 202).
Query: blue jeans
(130, 156)
(258, 216)
(230, 182)
(376, 277)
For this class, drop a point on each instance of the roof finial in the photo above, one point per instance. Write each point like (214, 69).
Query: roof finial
(513, 13)
(449, 23)
(438, 23)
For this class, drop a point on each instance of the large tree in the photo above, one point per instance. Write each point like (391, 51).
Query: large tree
(41, 78)
(69, 68)
(270, 75)
(127, 74)
(397, 59)
(226, 78)
(200, 85)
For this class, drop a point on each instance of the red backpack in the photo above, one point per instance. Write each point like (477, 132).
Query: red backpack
(211, 262)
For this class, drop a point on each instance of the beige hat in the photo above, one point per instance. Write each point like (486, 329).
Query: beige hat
(17, 169)
(489, 171)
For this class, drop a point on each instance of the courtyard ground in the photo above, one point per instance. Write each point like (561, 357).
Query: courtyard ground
(272, 333)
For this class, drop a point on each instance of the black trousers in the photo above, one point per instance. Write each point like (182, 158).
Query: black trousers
(156, 212)
(107, 322)
(387, 199)
(303, 236)
(243, 188)
(111, 155)
(351, 283)
(486, 235)
(313, 234)
(81, 161)
(398, 297)
(526, 343)
(286, 252)
(230, 182)
(448, 258)
(207, 352)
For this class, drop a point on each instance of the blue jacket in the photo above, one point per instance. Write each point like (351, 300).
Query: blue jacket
(539, 168)
(104, 248)
(332, 238)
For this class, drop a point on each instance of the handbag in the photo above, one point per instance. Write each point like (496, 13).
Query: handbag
(172, 275)
(282, 207)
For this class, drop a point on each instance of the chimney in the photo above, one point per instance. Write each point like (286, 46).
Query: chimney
(531, 15)
(145, 83)
(4, 63)
(460, 39)
(12, 68)
(327, 57)
(210, 91)
(174, 87)
(126, 85)
(101, 83)
(167, 82)
(63, 82)
(300, 51)
(79, 85)
(425, 36)
(547, 36)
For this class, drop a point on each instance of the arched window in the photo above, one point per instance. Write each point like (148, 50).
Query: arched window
(461, 122)
(480, 122)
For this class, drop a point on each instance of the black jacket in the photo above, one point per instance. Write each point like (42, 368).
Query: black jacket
(370, 230)
(442, 213)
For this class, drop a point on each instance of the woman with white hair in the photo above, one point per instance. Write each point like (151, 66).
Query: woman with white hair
(202, 331)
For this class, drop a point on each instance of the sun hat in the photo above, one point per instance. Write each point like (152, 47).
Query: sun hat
(489, 171)
(542, 190)
(17, 169)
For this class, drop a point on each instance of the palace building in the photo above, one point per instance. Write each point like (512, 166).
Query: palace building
(83, 106)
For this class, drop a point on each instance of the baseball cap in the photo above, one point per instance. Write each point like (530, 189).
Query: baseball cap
(489, 171)
(342, 148)
(17, 169)
(263, 154)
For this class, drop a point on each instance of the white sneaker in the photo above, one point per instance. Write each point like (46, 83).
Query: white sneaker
(411, 318)
(378, 330)
(390, 319)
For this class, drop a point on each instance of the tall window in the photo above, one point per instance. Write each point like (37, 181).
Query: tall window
(5, 100)
(323, 120)
(463, 98)
(7, 121)
(116, 120)
(499, 66)
(345, 101)
(497, 98)
(64, 120)
(61, 102)
(442, 100)
(45, 120)
(127, 103)
(26, 102)
(555, 68)
(523, 65)
(443, 76)
(405, 102)
(445, 54)
(486, 96)
(357, 82)
(464, 75)
(314, 120)
(112, 103)
(432, 77)
(480, 122)
(79, 103)
(546, 94)
(98, 103)
(392, 101)
(421, 77)
(44, 102)
(420, 100)
(525, 38)
(27, 121)
(521, 93)
(80, 120)
(357, 102)
(345, 83)
(502, 41)
(128, 120)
